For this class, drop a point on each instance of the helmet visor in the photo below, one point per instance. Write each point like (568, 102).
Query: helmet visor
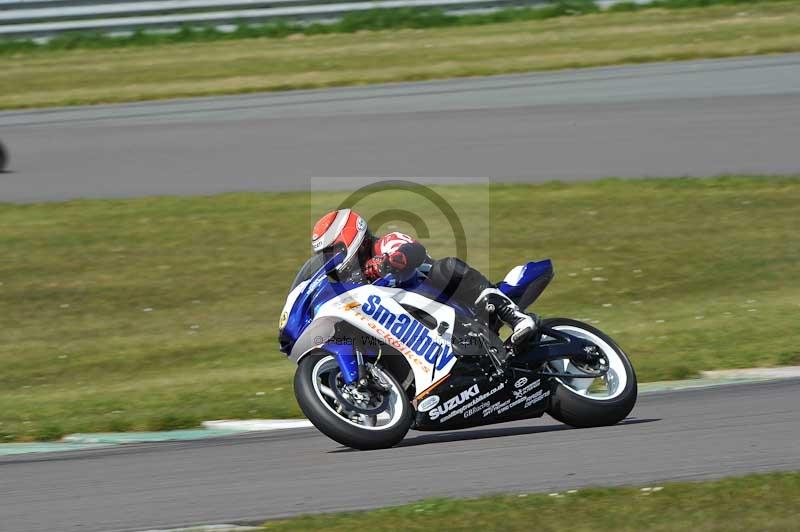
(331, 251)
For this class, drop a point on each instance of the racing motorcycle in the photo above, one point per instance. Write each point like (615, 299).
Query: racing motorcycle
(375, 360)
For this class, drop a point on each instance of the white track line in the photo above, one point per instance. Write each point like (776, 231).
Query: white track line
(257, 424)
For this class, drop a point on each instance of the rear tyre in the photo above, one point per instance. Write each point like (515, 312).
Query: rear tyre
(573, 401)
(324, 407)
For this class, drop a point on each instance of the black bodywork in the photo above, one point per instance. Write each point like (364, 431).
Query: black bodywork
(486, 386)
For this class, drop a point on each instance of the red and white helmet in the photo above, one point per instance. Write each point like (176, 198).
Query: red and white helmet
(342, 230)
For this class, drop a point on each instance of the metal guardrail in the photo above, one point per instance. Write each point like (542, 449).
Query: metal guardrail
(40, 18)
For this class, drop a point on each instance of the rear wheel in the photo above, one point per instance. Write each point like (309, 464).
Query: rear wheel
(361, 419)
(582, 402)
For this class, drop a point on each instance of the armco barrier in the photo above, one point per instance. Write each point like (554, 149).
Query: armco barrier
(39, 18)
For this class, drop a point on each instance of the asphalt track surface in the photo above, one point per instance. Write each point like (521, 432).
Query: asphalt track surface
(687, 435)
(696, 118)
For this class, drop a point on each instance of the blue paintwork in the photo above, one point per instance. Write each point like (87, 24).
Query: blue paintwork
(346, 358)
(318, 291)
(530, 272)
(308, 304)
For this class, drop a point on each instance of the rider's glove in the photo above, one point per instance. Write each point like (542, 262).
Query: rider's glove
(377, 267)
(374, 268)
(396, 261)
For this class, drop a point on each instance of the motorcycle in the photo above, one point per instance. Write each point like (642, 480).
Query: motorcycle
(375, 360)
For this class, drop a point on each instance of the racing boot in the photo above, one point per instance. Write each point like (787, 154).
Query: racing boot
(522, 324)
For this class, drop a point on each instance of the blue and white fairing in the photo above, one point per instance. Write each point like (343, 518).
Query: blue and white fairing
(525, 283)
(304, 301)
(315, 306)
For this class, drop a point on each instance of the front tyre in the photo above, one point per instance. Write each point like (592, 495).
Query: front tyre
(587, 402)
(328, 410)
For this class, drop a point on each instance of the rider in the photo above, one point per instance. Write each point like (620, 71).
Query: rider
(402, 256)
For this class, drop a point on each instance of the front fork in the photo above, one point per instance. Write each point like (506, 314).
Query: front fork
(351, 359)
(346, 358)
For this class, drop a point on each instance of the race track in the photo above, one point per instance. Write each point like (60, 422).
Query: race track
(696, 118)
(685, 435)
(693, 118)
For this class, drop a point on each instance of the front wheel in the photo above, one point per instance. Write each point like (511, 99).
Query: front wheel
(361, 420)
(582, 402)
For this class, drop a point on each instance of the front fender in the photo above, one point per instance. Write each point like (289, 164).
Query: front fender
(316, 334)
(320, 336)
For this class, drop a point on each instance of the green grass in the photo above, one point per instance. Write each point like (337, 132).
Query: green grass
(757, 502)
(370, 20)
(686, 274)
(408, 46)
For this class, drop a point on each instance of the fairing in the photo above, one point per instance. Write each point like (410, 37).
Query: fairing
(525, 283)
(443, 371)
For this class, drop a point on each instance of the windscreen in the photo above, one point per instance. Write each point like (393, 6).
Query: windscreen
(311, 266)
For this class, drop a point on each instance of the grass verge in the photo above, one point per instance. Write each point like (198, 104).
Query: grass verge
(756, 502)
(201, 64)
(158, 313)
(369, 20)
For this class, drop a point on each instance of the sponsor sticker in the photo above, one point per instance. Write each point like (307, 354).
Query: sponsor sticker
(527, 389)
(454, 402)
(496, 408)
(535, 398)
(283, 320)
(405, 334)
(521, 382)
(464, 403)
(428, 403)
